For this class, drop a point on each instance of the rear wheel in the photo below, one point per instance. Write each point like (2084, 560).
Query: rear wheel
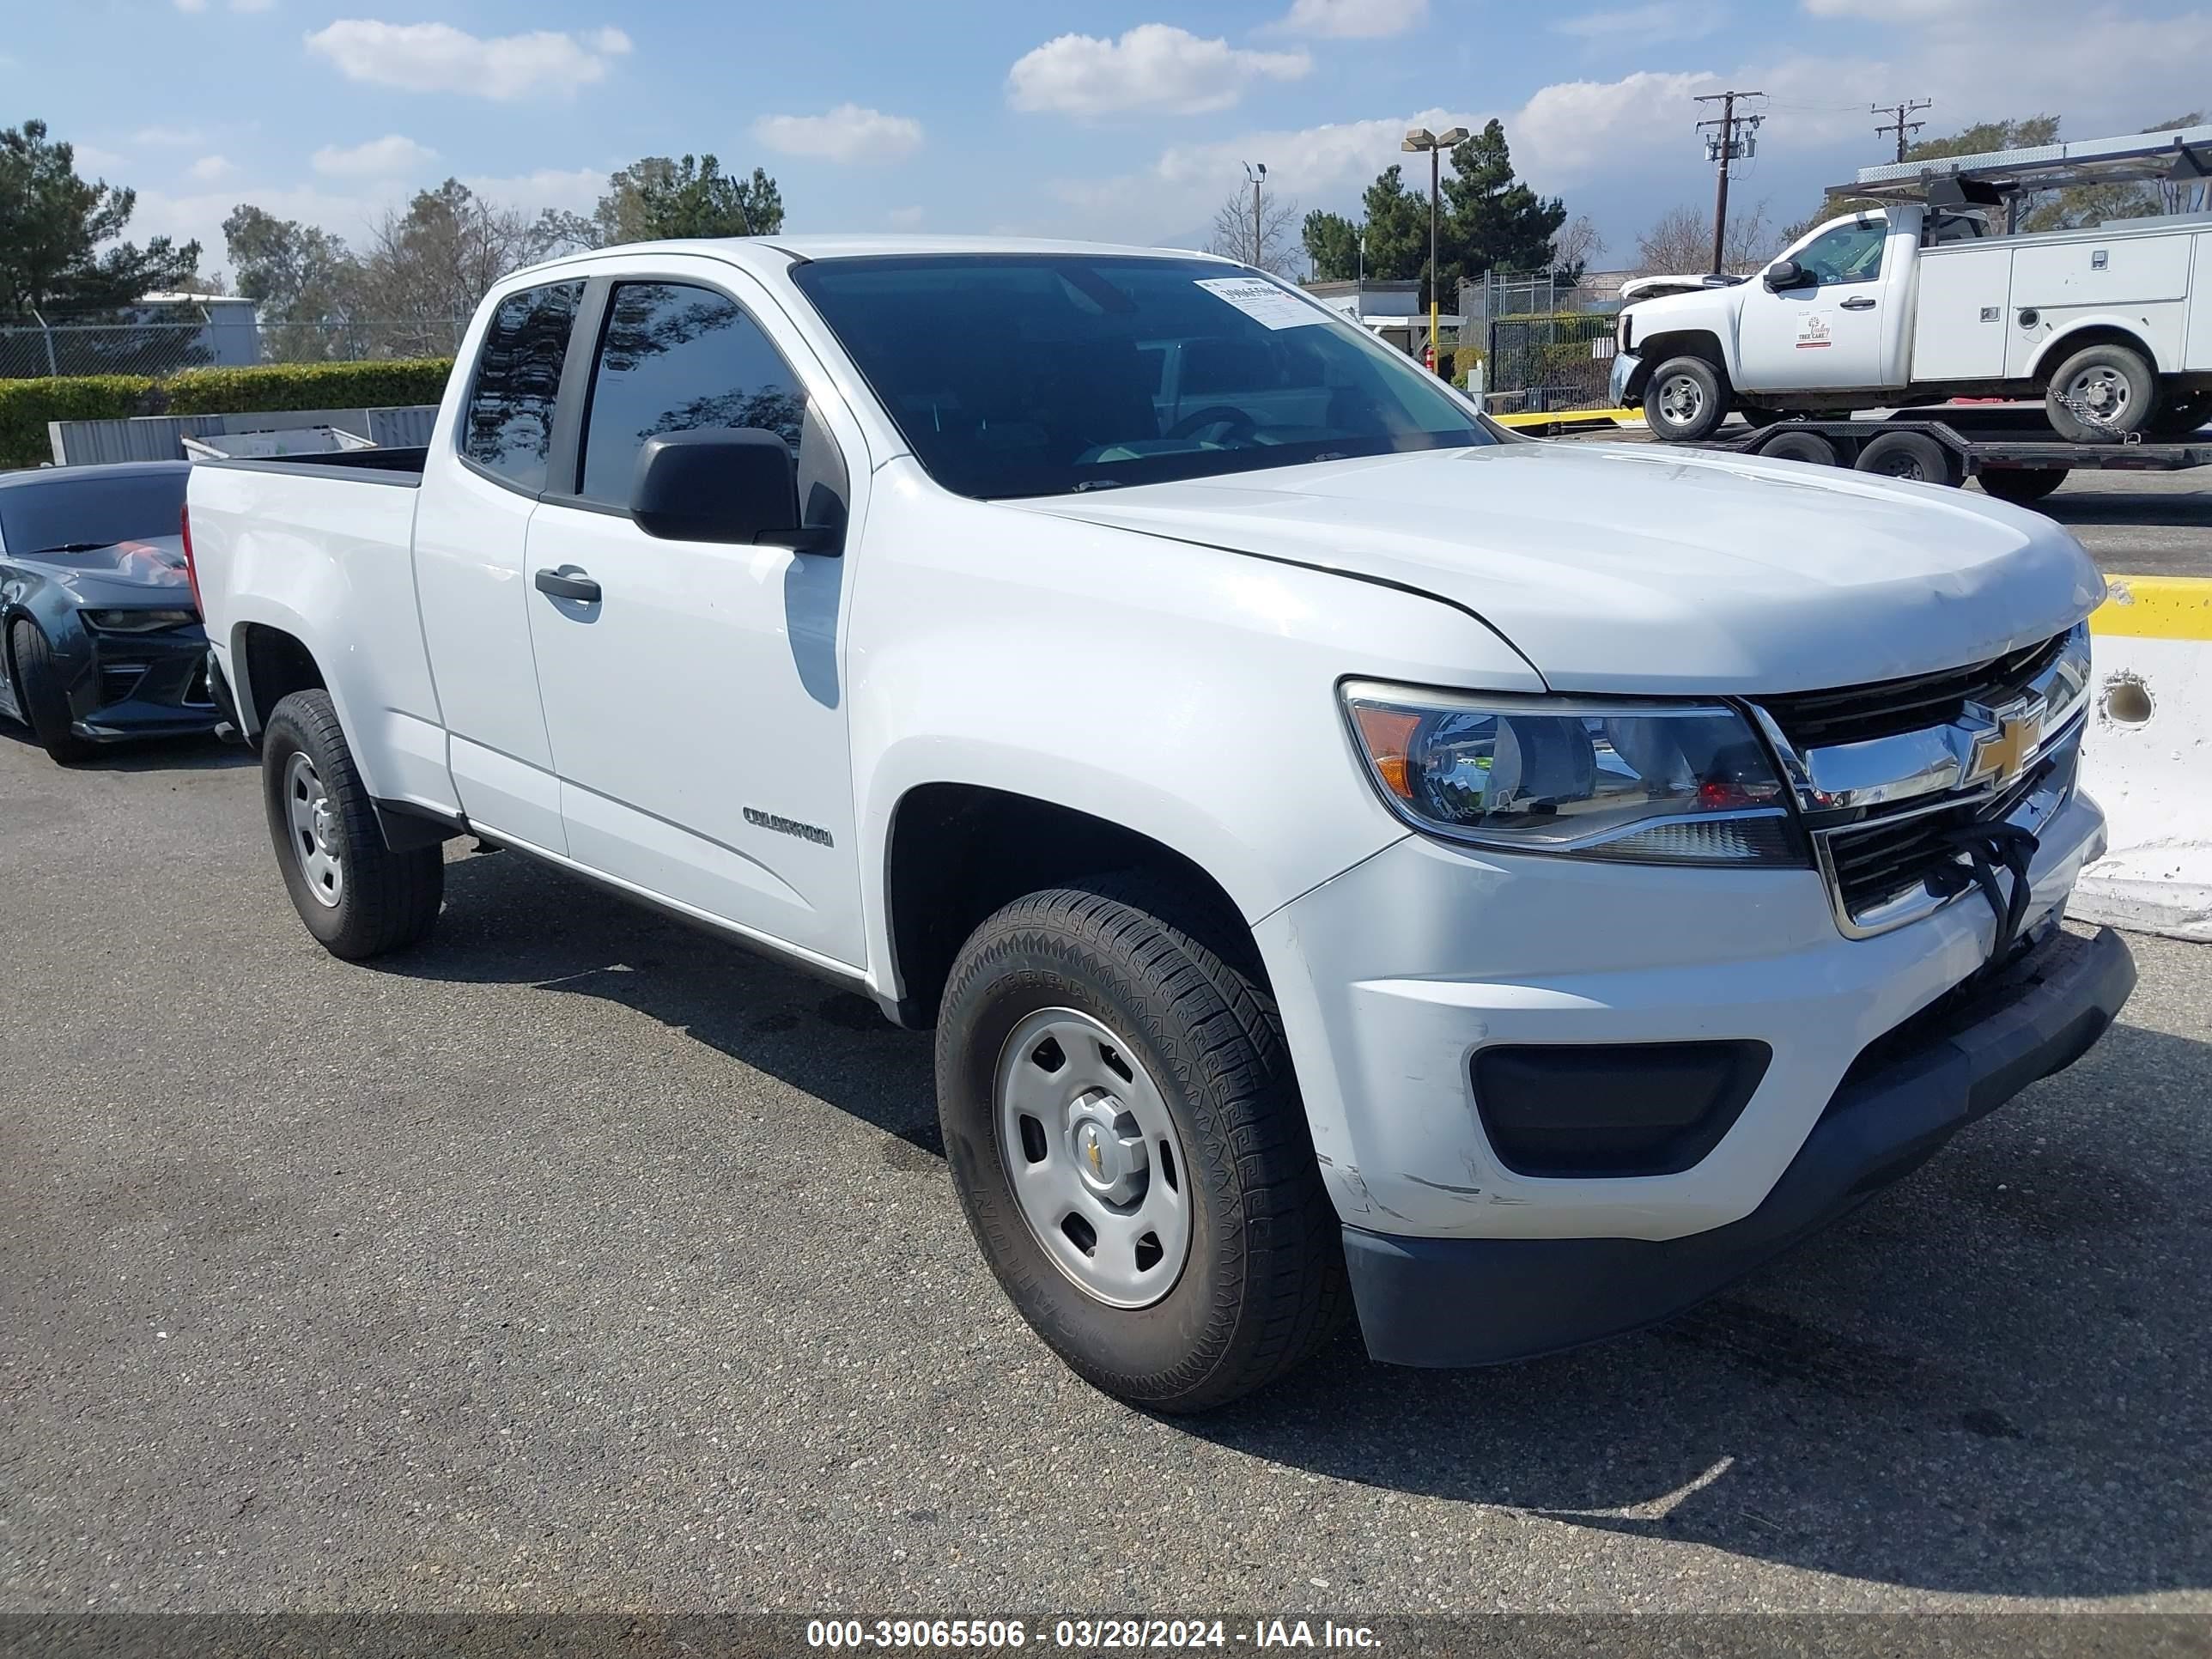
(355, 894)
(2182, 416)
(1912, 455)
(1686, 401)
(40, 695)
(1800, 447)
(2102, 395)
(1127, 1139)
(2021, 485)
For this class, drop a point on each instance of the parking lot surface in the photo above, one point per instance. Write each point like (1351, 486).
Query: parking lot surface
(576, 1260)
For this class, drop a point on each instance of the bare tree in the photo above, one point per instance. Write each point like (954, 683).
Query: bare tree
(1575, 245)
(1278, 247)
(1680, 242)
(427, 268)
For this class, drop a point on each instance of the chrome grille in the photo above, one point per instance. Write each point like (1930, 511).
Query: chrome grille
(1819, 719)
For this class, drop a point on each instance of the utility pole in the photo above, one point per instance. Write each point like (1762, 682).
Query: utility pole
(1257, 178)
(1900, 126)
(1723, 148)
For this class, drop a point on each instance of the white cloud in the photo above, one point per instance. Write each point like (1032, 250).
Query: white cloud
(1345, 20)
(1899, 11)
(252, 5)
(91, 158)
(391, 157)
(169, 137)
(191, 5)
(575, 189)
(1646, 25)
(846, 133)
(438, 57)
(210, 170)
(905, 218)
(1155, 66)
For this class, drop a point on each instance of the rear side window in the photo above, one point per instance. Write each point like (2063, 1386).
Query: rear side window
(676, 358)
(508, 426)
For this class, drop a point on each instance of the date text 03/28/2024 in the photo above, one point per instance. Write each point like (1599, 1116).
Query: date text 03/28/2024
(1084, 1635)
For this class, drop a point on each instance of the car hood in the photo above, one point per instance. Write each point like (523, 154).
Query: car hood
(1629, 568)
(146, 570)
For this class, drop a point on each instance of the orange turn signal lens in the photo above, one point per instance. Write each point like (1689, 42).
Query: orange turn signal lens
(1387, 734)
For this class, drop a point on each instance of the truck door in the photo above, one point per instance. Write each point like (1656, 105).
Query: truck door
(1829, 329)
(696, 706)
(471, 529)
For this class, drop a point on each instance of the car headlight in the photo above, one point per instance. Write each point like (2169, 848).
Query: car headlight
(1646, 782)
(139, 621)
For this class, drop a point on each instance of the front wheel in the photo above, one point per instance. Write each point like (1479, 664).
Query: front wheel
(1686, 401)
(1127, 1139)
(356, 895)
(40, 695)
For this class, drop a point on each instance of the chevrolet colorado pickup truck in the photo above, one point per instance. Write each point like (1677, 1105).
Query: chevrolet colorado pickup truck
(1352, 859)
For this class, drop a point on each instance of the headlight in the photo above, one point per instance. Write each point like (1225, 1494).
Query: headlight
(139, 621)
(1655, 783)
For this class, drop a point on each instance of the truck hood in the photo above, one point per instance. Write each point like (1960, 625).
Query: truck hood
(1619, 568)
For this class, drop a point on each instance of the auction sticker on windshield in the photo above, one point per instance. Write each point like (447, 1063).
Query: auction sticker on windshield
(1263, 302)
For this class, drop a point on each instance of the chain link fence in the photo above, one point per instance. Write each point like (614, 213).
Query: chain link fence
(1543, 363)
(36, 350)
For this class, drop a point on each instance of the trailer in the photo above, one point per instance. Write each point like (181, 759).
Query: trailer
(2011, 449)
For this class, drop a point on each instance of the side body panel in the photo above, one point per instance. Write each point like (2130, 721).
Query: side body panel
(1963, 315)
(325, 559)
(2113, 276)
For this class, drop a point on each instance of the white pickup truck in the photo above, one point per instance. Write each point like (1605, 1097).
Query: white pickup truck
(1350, 856)
(2112, 326)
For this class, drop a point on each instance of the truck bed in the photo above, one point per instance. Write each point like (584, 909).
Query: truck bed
(403, 467)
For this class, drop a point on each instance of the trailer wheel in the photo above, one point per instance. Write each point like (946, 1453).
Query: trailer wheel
(2101, 395)
(1800, 447)
(2021, 485)
(1686, 401)
(1913, 455)
(2182, 415)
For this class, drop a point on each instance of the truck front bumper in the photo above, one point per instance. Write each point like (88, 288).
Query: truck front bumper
(1624, 367)
(1482, 1301)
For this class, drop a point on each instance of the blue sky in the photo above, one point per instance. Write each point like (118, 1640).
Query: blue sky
(1121, 122)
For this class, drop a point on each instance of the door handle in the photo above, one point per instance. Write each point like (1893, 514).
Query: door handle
(1862, 303)
(562, 585)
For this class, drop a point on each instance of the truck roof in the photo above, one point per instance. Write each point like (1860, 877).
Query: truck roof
(765, 252)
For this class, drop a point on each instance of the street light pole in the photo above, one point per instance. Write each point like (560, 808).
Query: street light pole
(1258, 177)
(1417, 140)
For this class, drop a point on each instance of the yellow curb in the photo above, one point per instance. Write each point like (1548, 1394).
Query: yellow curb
(1563, 420)
(2155, 607)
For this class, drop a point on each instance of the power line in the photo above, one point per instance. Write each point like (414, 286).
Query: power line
(1900, 126)
(1722, 149)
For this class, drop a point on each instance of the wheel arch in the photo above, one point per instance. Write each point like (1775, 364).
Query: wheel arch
(957, 851)
(1701, 343)
(268, 664)
(2080, 336)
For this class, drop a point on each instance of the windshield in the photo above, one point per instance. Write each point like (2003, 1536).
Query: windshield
(1039, 374)
(91, 511)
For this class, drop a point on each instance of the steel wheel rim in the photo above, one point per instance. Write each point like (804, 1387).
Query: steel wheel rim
(1093, 1157)
(1681, 399)
(313, 826)
(2099, 393)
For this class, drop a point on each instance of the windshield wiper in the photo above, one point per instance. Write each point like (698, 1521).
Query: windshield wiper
(69, 547)
(1100, 483)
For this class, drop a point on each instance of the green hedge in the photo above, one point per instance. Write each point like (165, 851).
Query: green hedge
(26, 406)
(307, 385)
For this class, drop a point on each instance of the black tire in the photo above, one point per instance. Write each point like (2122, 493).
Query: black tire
(1760, 419)
(40, 695)
(2102, 395)
(384, 900)
(1800, 447)
(2022, 486)
(1693, 390)
(1913, 455)
(1263, 1285)
(2182, 416)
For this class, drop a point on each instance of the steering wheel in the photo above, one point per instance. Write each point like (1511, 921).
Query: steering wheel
(1241, 426)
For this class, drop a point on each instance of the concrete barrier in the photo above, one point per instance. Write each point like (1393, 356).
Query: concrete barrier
(2147, 758)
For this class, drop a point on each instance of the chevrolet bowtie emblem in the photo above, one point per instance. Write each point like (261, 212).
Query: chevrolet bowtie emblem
(1097, 1158)
(2001, 755)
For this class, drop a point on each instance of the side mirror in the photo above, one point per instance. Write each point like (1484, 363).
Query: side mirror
(717, 485)
(1785, 273)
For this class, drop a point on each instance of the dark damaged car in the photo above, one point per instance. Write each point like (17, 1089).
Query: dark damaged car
(100, 638)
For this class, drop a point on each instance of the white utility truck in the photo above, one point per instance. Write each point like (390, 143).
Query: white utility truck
(1350, 856)
(1926, 298)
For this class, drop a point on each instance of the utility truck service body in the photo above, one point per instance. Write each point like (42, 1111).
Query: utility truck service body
(1350, 857)
(1915, 302)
